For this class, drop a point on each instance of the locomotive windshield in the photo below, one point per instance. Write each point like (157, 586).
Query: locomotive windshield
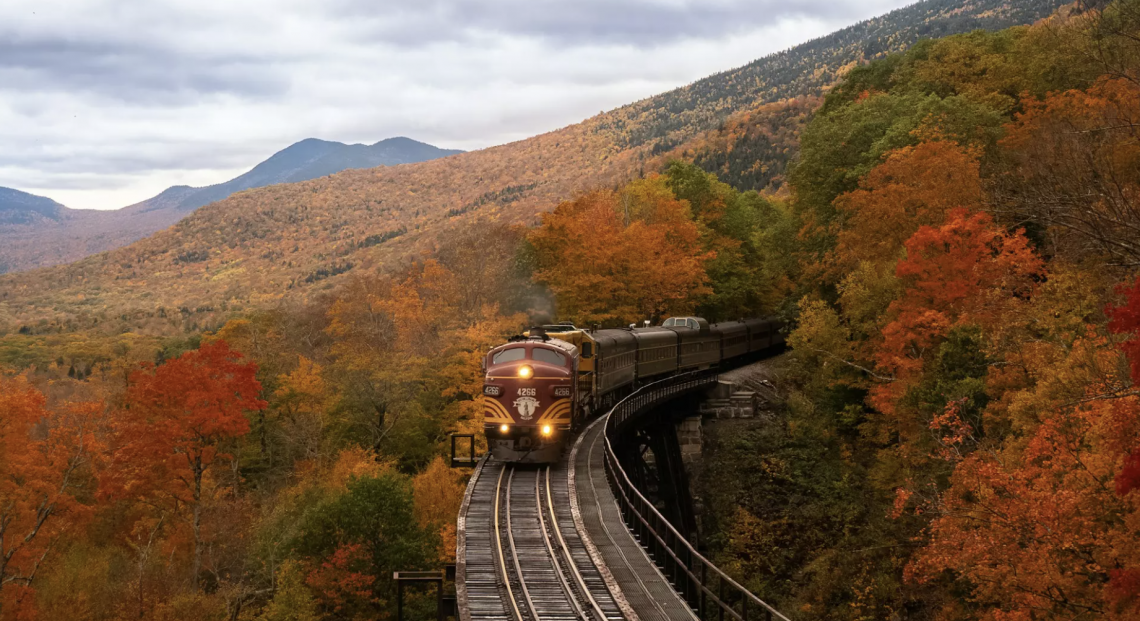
(509, 355)
(540, 354)
(548, 356)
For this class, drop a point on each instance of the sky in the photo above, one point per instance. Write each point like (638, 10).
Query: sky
(105, 103)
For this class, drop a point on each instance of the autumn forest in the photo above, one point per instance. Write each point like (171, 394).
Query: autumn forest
(950, 231)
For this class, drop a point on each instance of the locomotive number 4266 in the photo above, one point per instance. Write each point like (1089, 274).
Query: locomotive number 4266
(528, 392)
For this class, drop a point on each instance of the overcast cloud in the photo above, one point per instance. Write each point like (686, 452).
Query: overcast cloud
(104, 103)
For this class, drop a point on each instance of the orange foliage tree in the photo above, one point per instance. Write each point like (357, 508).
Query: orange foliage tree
(45, 461)
(427, 328)
(176, 421)
(1034, 528)
(1044, 523)
(1088, 138)
(915, 186)
(612, 257)
(965, 271)
(302, 398)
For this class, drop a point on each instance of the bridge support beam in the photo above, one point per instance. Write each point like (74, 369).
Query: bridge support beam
(654, 458)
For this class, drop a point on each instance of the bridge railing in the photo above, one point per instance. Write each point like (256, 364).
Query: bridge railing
(709, 591)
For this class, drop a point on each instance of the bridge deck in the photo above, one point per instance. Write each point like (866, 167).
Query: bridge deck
(644, 590)
(520, 557)
(587, 566)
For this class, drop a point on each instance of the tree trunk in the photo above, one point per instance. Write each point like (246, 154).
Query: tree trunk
(381, 416)
(197, 524)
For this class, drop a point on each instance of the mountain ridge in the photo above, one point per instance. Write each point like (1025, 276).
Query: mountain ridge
(30, 239)
(18, 207)
(303, 160)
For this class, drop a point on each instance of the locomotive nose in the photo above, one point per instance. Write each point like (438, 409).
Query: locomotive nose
(528, 400)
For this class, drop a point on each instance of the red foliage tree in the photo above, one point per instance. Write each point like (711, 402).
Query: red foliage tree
(1125, 319)
(176, 418)
(343, 583)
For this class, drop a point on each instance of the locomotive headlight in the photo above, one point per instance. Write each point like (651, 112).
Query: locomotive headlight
(547, 430)
(525, 372)
(492, 391)
(561, 391)
(504, 428)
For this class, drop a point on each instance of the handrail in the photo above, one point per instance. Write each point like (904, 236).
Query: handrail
(683, 565)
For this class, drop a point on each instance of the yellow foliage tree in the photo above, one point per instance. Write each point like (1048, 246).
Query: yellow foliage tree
(438, 494)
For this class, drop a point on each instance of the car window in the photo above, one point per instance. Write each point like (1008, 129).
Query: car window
(508, 355)
(548, 356)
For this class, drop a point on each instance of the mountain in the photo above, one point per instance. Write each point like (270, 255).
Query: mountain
(38, 232)
(301, 161)
(257, 247)
(18, 207)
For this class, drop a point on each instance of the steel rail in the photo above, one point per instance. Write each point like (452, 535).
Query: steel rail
(570, 596)
(514, 552)
(577, 575)
(499, 545)
(653, 529)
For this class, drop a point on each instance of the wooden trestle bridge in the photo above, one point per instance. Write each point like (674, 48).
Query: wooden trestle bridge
(577, 541)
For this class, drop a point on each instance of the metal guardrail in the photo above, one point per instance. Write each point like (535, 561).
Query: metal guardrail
(463, 462)
(700, 582)
(444, 606)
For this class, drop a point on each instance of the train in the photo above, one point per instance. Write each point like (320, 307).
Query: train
(542, 385)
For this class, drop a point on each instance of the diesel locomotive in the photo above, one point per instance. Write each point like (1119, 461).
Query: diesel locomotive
(541, 385)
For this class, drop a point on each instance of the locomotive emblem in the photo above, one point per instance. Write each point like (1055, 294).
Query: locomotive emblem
(526, 407)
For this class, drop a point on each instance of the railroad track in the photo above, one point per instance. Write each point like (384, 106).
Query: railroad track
(524, 559)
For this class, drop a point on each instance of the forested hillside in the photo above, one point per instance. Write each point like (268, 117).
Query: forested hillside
(961, 432)
(806, 70)
(259, 246)
(958, 436)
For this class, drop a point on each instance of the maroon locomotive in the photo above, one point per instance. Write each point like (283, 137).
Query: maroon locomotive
(528, 396)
